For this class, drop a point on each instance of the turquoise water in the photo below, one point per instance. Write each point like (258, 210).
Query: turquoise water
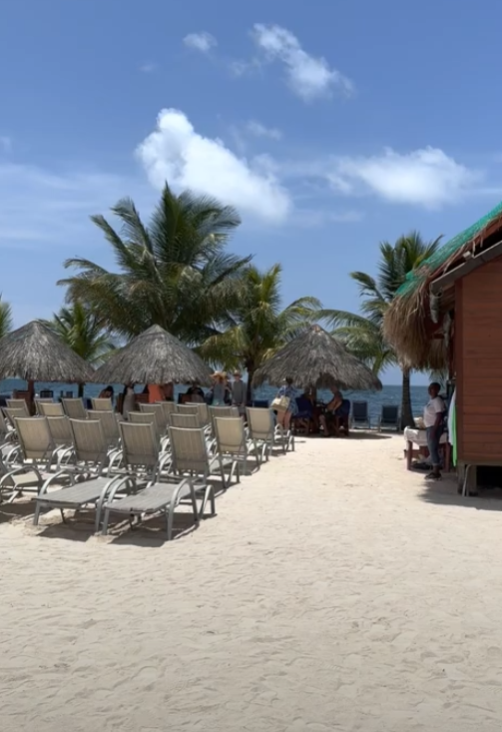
(388, 395)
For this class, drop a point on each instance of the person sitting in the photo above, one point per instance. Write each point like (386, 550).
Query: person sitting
(106, 393)
(194, 393)
(332, 407)
(168, 391)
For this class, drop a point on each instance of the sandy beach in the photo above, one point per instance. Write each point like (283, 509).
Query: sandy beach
(330, 593)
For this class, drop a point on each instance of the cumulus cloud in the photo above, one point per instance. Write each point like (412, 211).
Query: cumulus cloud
(258, 130)
(202, 41)
(186, 159)
(426, 177)
(308, 76)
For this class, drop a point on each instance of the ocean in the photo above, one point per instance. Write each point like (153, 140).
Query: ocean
(388, 395)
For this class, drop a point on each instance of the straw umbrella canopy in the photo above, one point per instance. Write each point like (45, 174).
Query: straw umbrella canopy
(316, 359)
(35, 353)
(154, 357)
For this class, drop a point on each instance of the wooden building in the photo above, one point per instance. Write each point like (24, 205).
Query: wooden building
(452, 308)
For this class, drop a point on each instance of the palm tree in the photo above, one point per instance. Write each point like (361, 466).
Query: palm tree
(363, 334)
(84, 332)
(6, 321)
(174, 272)
(257, 326)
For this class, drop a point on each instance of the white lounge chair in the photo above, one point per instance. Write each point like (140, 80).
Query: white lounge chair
(232, 442)
(50, 409)
(18, 404)
(102, 404)
(74, 408)
(188, 421)
(261, 431)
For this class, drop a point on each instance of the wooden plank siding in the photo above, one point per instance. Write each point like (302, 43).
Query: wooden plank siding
(478, 357)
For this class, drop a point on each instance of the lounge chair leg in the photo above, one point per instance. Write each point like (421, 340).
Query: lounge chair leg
(62, 515)
(170, 519)
(194, 506)
(105, 522)
(37, 514)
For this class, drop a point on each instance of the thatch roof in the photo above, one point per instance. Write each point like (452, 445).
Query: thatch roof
(35, 353)
(316, 359)
(408, 326)
(154, 357)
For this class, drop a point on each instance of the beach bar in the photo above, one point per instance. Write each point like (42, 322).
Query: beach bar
(448, 316)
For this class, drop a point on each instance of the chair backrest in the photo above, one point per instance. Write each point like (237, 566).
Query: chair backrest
(168, 408)
(35, 438)
(13, 414)
(140, 445)
(390, 414)
(108, 423)
(89, 441)
(40, 400)
(304, 405)
(74, 408)
(186, 408)
(189, 450)
(230, 435)
(4, 430)
(187, 421)
(360, 411)
(60, 430)
(156, 409)
(100, 404)
(143, 418)
(18, 404)
(50, 409)
(260, 423)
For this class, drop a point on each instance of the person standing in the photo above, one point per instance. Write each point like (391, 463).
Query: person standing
(434, 413)
(239, 389)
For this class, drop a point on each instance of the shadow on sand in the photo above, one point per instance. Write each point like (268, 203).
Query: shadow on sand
(444, 493)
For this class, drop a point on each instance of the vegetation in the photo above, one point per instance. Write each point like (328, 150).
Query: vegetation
(257, 326)
(363, 334)
(173, 272)
(6, 321)
(83, 331)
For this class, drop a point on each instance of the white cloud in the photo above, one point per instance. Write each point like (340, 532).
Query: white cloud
(148, 68)
(5, 144)
(308, 77)
(177, 153)
(426, 177)
(202, 41)
(258, 130)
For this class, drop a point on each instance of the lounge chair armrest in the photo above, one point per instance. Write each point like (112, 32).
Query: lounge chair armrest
(52, 478)
(113, 486)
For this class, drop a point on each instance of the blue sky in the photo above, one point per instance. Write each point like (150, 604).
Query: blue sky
(330, 125)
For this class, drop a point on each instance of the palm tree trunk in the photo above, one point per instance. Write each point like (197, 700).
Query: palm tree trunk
(249, 389)
(406, 408)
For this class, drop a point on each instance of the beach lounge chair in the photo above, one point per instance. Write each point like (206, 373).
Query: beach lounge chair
(62, 436)
(102, 404)
(389, 418)
(74, 408)
(360, 416)
(168, 408)
(261, 431)
(232, 442)
(16, 479)
(12, 414)
(37, 403)
(50, 409)
(188, 421)
(141, 453)
(110, 426)
(18, 404)
(88, 483)
(190, 456)
(303, 419)
(186, 408)
(7, 432)
(159, 413)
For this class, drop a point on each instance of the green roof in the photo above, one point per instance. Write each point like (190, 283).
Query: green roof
(414, 279)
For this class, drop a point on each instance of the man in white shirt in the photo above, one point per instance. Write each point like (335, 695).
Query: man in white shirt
(434, 413)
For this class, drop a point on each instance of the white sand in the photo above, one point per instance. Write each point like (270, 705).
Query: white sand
(327, 595)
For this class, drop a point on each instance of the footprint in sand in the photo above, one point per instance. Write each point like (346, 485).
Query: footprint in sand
(147, 676)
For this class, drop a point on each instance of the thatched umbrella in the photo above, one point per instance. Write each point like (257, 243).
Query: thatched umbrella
(316, 359)
(154, 357)
(35, 353)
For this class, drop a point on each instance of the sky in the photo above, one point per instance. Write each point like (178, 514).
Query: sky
(331, 126)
